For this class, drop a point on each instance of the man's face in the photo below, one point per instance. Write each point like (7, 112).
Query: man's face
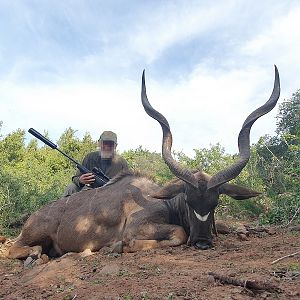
(107, 149)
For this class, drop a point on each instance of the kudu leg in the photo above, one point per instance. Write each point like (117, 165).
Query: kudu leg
(23, 245)
(160, 235)
(20, 251)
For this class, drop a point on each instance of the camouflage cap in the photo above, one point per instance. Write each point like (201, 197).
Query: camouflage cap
(108, 136)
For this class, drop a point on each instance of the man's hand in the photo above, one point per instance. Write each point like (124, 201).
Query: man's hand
(87, 178)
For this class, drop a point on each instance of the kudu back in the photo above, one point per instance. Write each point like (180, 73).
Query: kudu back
(132, 213)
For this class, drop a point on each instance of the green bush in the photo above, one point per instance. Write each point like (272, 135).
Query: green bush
(32, 175)
(285, 209)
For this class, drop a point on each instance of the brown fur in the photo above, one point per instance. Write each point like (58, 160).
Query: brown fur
(89, 219)
(121, 215)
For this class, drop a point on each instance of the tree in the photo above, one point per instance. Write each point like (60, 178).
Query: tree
(289, 116)
(31, 175)
(209, 160)
(149, 164)
(279, 163)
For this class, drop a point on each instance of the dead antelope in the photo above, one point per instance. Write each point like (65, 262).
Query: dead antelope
(131, 213)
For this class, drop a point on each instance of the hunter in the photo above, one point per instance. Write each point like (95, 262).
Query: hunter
(105, 160)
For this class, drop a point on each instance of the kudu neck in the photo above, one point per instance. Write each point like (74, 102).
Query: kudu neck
(178, 211)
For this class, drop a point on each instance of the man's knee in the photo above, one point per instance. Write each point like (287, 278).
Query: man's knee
(71, 189)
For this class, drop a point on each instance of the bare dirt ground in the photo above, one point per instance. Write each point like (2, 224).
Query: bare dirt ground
(170, 273)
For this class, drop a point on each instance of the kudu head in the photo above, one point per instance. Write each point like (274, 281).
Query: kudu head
(201, 191)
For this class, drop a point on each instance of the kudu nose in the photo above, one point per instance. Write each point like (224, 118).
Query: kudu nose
(203, 245)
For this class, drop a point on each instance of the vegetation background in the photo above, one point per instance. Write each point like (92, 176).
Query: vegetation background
(33, 174)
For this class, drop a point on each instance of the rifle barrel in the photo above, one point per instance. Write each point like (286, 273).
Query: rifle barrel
(81, 168)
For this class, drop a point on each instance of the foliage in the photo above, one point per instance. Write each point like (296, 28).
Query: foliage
(289, 115)
(284, 209)
(148, 163)
(32, 175)
(209, 160)
(279, 164)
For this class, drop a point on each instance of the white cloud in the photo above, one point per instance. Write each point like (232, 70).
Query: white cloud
(210, 107)
(82, 77)
(278, 36)
(206, 108)
(279, 44)
(161, 29)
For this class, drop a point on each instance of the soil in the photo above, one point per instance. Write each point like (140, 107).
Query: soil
(169, 273)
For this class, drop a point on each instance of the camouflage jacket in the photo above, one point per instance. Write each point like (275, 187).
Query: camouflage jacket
(110, 167)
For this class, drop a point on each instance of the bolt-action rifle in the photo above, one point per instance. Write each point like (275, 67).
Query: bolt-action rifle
(100, 177)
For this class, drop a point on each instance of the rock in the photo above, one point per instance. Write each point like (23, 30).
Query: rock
(232, 274)
(265, 295)
(114, 255)
(38, 262)
(85, 253)
(210, 280)
(270, 231)
(117, 247)
(229, 245)
(68, 254)
(222, 227)
(242, 230)
(28, 262)
(242, 237)
(110, 269)
(45, 258)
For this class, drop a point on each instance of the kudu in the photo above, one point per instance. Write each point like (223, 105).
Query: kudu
(131, 213)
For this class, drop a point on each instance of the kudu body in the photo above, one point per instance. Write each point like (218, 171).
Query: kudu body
(132, 213)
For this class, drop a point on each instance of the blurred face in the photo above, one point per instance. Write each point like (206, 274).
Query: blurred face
(107, 149)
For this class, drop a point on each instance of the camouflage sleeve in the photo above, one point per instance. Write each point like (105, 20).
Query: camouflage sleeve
(75, 178)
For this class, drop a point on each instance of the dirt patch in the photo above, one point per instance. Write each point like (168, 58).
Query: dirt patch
(170, 273)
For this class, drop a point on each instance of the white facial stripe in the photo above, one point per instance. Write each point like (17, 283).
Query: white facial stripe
(202, 218)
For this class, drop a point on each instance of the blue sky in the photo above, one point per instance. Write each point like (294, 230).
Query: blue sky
(208, 65)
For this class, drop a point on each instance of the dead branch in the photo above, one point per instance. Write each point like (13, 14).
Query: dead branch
(294, 228)
(294, 216)
(283, 257)
(253, 285)
(254, 229)
(260, 229)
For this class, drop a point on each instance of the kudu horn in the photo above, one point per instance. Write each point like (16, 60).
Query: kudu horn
(175, 168)
(244, 139)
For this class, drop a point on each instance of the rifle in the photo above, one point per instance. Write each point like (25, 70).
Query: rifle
(100, 177)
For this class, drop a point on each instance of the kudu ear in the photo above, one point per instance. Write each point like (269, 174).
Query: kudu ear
(237, 192)
(169, 190)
